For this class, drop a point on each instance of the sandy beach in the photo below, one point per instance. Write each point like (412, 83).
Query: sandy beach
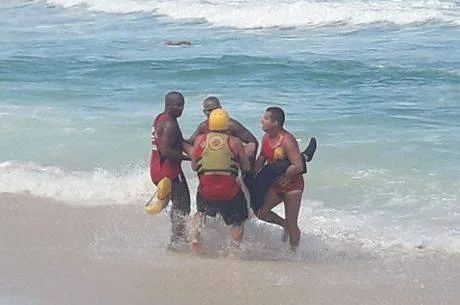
(375, 82)
(55, 253)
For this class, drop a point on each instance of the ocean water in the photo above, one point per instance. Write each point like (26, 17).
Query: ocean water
(376, 82)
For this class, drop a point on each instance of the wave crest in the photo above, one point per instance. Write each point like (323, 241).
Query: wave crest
(251, 14)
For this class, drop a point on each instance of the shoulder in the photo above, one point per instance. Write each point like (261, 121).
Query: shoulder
(157, 118)
(264, 137)
(163, 116)
(235, 126)
(162, 122)
(203, 126)
(288, 138)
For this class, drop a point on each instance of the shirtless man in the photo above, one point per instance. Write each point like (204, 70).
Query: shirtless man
(279, 144)
(165, 164)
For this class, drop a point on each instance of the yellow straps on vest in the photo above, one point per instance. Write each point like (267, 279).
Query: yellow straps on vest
(217, 157)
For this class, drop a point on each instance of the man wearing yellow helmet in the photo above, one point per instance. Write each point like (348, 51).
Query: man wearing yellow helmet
(278, 144)
(235, 129)
(218, 157)
(165, 165)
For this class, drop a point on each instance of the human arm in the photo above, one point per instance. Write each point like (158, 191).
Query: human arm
(188, 150)
(238, 130)
(196, 152)
(238, 149)
(167, 138)
(292, 150)
(200, 129)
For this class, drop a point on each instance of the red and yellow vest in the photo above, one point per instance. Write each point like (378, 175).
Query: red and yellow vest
(216, 157)
(159, 166)
(272, 154)
(217, 167)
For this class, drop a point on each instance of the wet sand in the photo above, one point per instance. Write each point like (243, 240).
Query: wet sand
(55, 253)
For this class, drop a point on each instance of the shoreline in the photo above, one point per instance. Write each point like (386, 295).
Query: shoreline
(55, 253)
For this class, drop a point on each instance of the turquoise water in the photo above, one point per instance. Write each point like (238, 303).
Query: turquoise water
(377, 82)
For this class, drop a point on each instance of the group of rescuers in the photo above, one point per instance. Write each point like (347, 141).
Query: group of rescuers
(221, 150)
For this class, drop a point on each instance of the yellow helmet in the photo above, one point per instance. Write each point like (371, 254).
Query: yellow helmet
(160, 200)
(218, 119)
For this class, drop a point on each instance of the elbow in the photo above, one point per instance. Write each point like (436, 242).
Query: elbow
(299, 169)
(295, 169)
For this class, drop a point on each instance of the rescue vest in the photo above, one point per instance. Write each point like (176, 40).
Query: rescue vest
(273, 154)
(217, 157)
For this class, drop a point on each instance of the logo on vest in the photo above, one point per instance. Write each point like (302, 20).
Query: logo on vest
(216, 142)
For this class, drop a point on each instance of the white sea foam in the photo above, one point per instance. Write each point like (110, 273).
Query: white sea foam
(249, 14)
(97, 187)
(383, 227)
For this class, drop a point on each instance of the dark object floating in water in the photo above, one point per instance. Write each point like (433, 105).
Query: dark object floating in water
(179, 43)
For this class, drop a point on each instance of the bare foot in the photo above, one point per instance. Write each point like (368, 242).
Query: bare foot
(196, 247)
(234, 252)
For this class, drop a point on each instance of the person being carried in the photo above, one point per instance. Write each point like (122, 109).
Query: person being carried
(279, 144)
(217, 157)
(165, 166)
(260, 184)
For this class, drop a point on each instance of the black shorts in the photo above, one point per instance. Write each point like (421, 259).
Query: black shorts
(233, 211)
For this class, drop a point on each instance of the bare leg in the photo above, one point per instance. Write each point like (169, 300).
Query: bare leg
(292, 202)
(266, 213)
(236, 235)
(195, 231)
